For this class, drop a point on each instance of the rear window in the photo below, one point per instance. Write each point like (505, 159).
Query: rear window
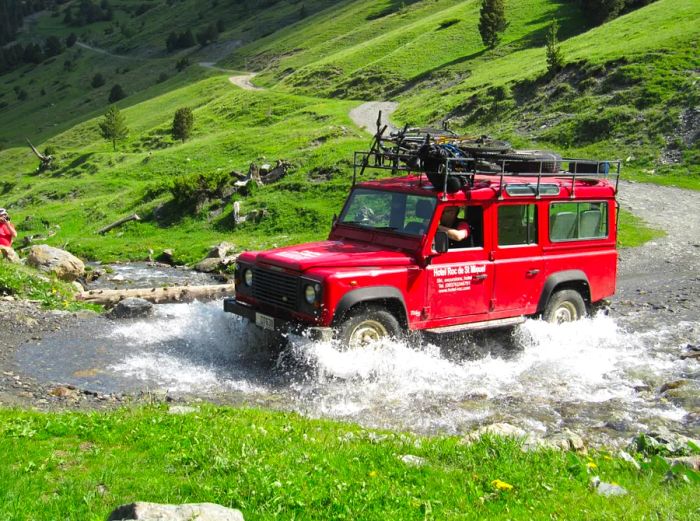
(576, 221)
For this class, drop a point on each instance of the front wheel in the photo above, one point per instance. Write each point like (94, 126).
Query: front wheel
(565, 305)
(367, 324)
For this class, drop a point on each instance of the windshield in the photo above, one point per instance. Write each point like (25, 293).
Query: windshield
(393, 211)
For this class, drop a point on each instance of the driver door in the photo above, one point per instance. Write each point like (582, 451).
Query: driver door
(460, 281)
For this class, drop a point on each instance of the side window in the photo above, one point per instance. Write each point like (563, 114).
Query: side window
(464, 226)
(517, 224)
(573, 221)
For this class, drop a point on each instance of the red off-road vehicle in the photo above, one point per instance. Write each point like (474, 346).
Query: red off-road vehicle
(541, 241)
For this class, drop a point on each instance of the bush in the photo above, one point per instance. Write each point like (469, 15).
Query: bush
(97, 81)
(190, 191)
(116, 94)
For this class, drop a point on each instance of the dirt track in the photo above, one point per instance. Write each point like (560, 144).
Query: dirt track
(243, 81)
(365, 116)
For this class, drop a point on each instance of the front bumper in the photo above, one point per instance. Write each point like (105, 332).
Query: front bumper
(274, 323)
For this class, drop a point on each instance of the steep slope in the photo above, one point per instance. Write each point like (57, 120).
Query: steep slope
(629, 90)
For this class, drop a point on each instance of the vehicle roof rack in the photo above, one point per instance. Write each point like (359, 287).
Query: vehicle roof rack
(451, 162)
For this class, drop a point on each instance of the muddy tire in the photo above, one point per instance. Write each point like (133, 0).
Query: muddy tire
(566, 305)
(367, 324)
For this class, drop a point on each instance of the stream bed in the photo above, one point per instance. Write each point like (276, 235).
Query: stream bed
(595, 376)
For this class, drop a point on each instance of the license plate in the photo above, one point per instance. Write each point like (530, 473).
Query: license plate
(264, 321)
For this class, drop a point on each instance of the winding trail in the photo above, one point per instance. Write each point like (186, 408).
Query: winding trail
(365, 116)
(107, 53)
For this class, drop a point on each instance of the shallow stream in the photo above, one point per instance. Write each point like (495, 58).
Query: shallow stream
(600, 377)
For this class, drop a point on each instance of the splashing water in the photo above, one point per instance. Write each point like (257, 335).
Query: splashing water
(592, 375)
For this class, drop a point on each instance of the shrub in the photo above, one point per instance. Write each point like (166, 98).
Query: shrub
(97, 81)
(116, 93)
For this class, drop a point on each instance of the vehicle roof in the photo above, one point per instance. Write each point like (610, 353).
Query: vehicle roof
(487, 187)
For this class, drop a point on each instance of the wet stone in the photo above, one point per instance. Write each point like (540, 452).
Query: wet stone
(131, 308)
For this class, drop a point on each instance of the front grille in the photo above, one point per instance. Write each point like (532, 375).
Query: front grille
(277, 289)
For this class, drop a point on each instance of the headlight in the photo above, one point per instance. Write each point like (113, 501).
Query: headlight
(310, 294)
(248, 277)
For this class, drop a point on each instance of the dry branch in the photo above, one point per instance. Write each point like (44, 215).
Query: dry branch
(121, 221)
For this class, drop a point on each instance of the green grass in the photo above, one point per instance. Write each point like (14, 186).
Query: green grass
(24, 282)
(633, 231)
(624, 101)
(281, 466)
(93, 186)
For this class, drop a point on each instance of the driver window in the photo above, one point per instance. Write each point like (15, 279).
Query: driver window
(463, 225)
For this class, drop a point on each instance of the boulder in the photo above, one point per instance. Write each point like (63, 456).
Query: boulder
(166, 257)
(209, 265)
(220, 251)
(54, 260)
(131, 308)
(8, 254)
(213, 264)
(185, 512)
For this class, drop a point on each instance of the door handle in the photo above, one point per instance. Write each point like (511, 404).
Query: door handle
(480, 277)
(532, 273)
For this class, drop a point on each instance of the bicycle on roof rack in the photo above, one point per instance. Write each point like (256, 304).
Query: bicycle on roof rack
(451, 162)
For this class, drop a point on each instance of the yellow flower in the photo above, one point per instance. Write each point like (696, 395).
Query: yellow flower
(501, 485)
(373, 474)
(591, 465)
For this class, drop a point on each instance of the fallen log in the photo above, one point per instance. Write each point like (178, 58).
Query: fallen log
(121, 221)
(110, 297)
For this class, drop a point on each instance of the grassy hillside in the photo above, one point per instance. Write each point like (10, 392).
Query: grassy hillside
(629, 90)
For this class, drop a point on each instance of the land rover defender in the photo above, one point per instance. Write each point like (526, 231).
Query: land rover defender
(539, 240)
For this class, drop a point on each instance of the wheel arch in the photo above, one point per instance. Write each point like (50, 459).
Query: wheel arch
(387, 296)
(569, 279)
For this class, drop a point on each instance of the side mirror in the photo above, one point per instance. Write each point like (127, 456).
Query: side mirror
(441, 243)
(335, 220)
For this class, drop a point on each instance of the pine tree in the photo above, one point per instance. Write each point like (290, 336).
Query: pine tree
(492, 21)
(113, 127)
(555, 60)
(183, 123)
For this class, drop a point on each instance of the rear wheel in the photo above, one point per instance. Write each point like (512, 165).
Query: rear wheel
(565, 305)
(367, 324)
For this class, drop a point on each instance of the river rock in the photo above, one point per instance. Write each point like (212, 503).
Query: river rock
(662, 441)
(8, 254)
(607, 489)
(413, 461)
(503, 430)
(676, 384)
(131, 308)
(54, 260)
(209, 265)
(221, 250)
(166, 257)
(692, 462)
(182, 409)
(186, 512)
(566, 440)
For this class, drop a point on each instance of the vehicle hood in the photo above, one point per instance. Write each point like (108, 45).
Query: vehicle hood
(340, 254)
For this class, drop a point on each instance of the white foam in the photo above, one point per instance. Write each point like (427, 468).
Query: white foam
(589, 368)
